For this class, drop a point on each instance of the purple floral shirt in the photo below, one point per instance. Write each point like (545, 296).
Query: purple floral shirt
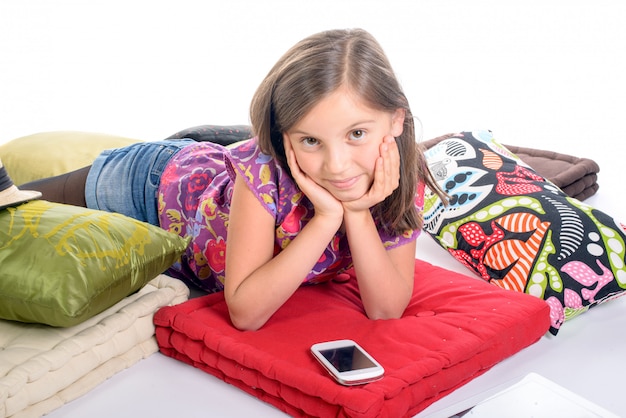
(194, 201)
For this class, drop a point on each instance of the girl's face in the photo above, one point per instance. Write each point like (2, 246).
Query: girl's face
(338, 142)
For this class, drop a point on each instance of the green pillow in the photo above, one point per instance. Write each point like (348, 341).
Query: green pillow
(49, 154)
(62, 264)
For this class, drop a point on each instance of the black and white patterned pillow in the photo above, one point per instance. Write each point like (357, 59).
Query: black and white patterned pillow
(519, 231)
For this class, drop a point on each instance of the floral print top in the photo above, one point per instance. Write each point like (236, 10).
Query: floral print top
(194, 201)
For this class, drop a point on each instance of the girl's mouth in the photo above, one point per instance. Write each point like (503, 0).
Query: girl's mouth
(344, 183)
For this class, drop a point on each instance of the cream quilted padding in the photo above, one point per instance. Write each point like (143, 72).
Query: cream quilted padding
(42, 368)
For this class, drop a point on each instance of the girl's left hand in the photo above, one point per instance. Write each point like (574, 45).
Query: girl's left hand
(386, 177)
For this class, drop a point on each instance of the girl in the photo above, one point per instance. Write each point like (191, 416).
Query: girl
(328, 183)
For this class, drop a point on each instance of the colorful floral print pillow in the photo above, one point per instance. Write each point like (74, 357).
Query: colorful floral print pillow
(518, 231)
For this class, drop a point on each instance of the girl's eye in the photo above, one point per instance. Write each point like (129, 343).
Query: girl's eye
(309, 141)
(357, 134)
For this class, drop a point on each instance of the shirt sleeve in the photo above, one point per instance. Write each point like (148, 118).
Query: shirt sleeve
(263, 175)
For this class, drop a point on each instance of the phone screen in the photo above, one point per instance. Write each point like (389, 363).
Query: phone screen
(347, 358)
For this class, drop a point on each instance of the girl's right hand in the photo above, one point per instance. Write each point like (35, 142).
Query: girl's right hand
(323, 201)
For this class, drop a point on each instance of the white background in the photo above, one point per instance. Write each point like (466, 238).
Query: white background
(543, 74)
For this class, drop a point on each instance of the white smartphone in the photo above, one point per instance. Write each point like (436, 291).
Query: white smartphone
(347, 362)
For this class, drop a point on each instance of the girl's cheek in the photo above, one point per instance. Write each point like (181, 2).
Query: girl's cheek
(305, 163)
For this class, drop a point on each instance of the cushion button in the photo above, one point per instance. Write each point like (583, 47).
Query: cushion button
(342, 278)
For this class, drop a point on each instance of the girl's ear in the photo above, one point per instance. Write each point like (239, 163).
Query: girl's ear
(397, 122)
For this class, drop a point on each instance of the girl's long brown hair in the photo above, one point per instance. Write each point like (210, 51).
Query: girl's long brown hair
(314, 68)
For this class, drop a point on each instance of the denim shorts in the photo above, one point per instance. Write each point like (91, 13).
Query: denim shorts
(126, 180)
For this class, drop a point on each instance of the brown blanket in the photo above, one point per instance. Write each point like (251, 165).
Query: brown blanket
(577, 177)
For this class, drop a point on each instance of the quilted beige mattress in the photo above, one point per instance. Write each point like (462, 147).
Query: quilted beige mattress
(42, 368)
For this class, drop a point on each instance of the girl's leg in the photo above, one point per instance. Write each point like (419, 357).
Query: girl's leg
(67, 188)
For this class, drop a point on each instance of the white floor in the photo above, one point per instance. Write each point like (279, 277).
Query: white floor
(542, 74)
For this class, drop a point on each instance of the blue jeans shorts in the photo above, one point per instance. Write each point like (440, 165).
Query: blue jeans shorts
(126, 180)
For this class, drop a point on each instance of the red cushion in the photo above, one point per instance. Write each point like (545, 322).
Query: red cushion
(455, 328)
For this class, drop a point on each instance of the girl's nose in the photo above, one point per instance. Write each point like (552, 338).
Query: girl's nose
(337, 159)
